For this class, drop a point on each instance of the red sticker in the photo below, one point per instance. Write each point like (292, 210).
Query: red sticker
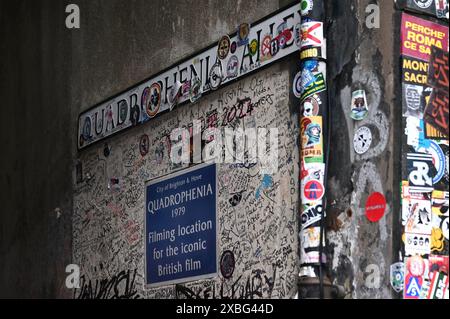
(375, 207)
(313, 192)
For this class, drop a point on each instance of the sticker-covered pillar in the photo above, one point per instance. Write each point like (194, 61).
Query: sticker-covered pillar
(310, 86)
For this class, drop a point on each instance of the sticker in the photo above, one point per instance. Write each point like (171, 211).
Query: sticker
(232, 67)
(310, 238)
(174, 94)
(420, 172)
(151, 98)
(135, 115)
(417, 244)
(424, 4)
(412, 287)
(313, 78)
(306, 7)
(242, 34)
(224, 47)
(313, 192)
(416, 216)
(284, 35)
(266, 47)
(274, 47)
(362, 140)
(233, 47)
(312, 53)
(419, 35)
(312, 258)
(442, 11)
(298, 35)
(311, 106)
(440, 221)
(414, 71)
(416, 266)
(360, 107)
(87, 128)
(195, 92)
(227, 264)
(375, 207)
(398, 276)
(144, 145)
(439, 71)
(312, 171)
(215, 76)
(433, 134)
(438, 264)
(413, 105)
(123, 111)
(297, 86)
(439, 160)
(437, 112)
(311, 134)
(438, 286)
(312, 34)
(425, 289)
(311, 215)
(253, 47)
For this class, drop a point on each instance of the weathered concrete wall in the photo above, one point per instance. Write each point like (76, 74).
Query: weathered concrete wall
(36, 158)
(361, 252)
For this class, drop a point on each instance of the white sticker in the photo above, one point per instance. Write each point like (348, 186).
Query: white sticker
(362, 140)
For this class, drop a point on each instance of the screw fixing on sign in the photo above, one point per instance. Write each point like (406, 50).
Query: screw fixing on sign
(375, 207)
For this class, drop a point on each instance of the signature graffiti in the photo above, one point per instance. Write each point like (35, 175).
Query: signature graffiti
(255, 286)
(120, 286)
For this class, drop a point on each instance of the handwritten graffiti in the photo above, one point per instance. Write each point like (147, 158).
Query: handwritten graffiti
(120, 286)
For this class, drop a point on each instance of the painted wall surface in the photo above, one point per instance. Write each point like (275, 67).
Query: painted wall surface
(260, 228)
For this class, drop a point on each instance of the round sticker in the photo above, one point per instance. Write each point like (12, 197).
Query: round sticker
(362, 140)
(233, 47)
(254, 47)
(423, 4)
(266, 47)
(416, 266)
(224, 47)
(227, 264)
(151, 98)
(306, 6)
(375, 207)
(215, 76)
(297, 86)
(144, 145)
(314, 191)
(311, 106)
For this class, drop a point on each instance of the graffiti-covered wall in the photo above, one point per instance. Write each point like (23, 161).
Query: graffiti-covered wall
(256, 213)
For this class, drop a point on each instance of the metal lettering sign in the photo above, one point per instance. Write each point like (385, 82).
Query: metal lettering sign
(269, 40)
